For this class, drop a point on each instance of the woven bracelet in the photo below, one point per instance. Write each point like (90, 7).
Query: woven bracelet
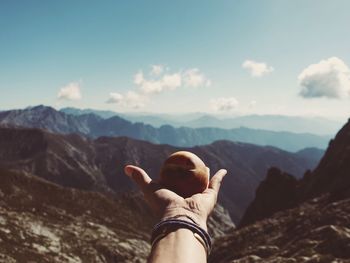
(168, 225)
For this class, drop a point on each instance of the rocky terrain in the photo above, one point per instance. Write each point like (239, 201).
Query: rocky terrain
(291, 220)
(83, 163)
(316, 231)
(94, 126)
(43, 222)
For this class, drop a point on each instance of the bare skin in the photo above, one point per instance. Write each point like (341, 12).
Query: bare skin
(180, 245)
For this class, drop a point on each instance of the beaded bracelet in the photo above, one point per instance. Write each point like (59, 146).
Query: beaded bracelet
(164, 227)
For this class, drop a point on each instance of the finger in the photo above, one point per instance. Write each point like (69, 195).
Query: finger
(139, 176)
(208, 174)
(216, 180)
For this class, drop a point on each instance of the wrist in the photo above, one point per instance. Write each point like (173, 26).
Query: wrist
(186, 215)
(179, 245)
(167, 226)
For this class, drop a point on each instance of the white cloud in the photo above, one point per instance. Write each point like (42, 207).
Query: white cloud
(171, 81)
(157, 70)
(329, 78)
(158, 81)
(151, 86)
(131, 99)
(70, 92)
(115, 98)
(252, 104)
(257, 69)
(138, 78)
(224, 104)
(194, 78)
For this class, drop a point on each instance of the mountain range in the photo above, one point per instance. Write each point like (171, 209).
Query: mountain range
(64, 197)
(43, 222)
(97, 164)
(94, 126)
(295, 124)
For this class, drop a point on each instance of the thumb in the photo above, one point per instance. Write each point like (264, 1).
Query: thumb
(138, 175)
(216, 180)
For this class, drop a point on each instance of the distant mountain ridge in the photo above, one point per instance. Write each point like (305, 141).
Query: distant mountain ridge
(80, 162)
(295, 124)
(94, 126)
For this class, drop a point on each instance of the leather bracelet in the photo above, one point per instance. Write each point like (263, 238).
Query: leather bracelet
(164, 227)
(178, 216)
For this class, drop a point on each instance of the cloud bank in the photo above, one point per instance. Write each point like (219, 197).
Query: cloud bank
(70, 92)
(329, 78)
(257, 69)
(224, 104)
(158, 80)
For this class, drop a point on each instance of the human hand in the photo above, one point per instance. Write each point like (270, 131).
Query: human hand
(167, 204)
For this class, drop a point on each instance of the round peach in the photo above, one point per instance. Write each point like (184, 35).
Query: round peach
(185, 174)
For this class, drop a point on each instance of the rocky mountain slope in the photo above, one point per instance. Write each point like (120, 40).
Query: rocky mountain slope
(277, 192)
(83, 163)
(333, 173)
(306, 220)
(94, 126)
(280, 190)
(316, 231)
(43, 222)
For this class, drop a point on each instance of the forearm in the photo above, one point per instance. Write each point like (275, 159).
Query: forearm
(178, 246)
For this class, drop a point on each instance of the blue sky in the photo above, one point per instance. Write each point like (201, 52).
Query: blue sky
(228, 57)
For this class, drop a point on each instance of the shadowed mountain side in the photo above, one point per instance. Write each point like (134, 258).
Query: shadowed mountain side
(94, 126)
(333, 173)
(75, 161)
(43, 222)
(280, 191)
(277, 192)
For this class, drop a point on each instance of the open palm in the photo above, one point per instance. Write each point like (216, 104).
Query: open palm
(165, 203)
